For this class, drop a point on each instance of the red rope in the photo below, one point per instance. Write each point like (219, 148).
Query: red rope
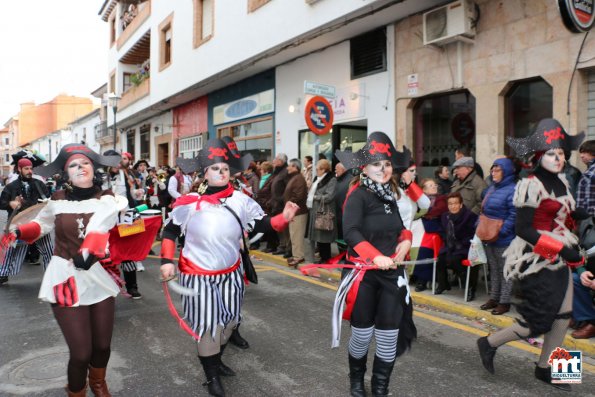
(174, 313)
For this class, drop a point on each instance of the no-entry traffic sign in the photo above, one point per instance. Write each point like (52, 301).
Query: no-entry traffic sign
(319, 115)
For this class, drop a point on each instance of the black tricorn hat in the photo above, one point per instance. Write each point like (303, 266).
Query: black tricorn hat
(76, 148)
(549, 134)
(139, 162)
(377, 148)
(36, 159)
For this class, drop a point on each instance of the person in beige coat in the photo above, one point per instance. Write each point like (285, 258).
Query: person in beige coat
(468, 183)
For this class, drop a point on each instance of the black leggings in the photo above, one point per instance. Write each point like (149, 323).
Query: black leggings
(88, 334)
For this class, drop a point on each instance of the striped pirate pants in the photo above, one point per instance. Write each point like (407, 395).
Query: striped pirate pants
(14, 257)
(218, 303)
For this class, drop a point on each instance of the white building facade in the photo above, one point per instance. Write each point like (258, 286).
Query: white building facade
(244, 63)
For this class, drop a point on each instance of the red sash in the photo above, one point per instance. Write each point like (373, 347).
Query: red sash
(188, 267)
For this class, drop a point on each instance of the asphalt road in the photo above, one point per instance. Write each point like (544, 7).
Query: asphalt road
(287, 322)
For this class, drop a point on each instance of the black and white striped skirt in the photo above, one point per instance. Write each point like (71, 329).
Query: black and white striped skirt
(219, 300)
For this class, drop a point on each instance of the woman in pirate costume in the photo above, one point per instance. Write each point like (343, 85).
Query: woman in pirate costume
(80, 291)
(212, 222)
(376, 291)
(544, 249)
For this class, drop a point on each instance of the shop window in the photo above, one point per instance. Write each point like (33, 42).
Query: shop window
(341, 137)
(130, 141)
(252, 136)
(145, 142)
(203, 21)
(368, 53)
(526, 103)
(443, 123)
(253, 5)
(189, 147)
(165, 42)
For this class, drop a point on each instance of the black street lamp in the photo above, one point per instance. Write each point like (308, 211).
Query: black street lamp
(113, 103)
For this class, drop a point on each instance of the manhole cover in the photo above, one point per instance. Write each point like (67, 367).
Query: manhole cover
(43, 368)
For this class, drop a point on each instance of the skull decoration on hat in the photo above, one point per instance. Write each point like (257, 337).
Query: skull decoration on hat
(377, 148)
(35, 158)
(549, 134)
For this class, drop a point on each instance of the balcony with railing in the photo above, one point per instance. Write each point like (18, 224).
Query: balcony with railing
(133, 17)
(103, 134)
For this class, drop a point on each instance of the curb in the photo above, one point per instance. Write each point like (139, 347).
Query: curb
(502, 321)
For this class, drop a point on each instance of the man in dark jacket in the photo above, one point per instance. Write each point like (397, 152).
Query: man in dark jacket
(459, 227)
(296, 191)
(17, 196)
(276, 202)
(343, 178)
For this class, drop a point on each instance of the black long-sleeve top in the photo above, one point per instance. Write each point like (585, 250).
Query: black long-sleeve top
(367, 218)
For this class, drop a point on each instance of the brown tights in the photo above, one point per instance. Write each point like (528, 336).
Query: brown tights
(88, 334)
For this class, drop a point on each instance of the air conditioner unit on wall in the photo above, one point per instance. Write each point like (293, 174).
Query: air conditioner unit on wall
(449, 23)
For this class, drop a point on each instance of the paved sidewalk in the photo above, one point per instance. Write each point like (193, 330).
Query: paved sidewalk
(451, 301)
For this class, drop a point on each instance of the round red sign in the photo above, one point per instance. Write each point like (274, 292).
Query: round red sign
(319, 115)
(578, 15)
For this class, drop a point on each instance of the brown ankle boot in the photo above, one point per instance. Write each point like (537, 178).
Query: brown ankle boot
(97, 382)
(81, 393)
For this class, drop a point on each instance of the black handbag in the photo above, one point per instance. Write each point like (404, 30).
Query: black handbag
(249, 270)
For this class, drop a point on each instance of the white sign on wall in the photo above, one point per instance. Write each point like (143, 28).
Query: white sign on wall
(412, 85)
(349, 103)
(251, 106)
(312, 88)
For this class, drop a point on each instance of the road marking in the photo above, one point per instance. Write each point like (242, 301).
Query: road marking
(519, 345)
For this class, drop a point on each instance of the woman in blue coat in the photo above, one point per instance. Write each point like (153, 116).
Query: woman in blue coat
(497, 204)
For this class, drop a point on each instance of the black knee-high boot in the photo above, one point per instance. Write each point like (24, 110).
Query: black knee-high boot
(224, 370)
(210, 365)
(381, 376)
(357, 370)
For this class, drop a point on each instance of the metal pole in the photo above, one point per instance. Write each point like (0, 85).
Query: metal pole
(115, 126)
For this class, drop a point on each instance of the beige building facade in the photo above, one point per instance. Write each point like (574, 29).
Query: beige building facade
(519, 68)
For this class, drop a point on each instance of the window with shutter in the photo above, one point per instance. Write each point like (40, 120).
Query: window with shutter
(368, 53)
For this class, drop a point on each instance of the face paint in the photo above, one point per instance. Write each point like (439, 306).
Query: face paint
(553, 160)
(80, 172)
(217, 174)
(380, 171)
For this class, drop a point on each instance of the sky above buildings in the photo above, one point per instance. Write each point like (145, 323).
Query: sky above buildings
(48, 47)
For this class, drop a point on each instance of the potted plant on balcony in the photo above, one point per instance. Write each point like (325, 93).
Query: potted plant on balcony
(141, 74)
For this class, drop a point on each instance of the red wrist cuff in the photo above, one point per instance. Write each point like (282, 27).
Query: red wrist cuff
(95, 242)
(414, 192)
(29, 232)
(574, 265)
(548, 247)
(406, 235)
(366, 251)
(168, 249)
(279, 223)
